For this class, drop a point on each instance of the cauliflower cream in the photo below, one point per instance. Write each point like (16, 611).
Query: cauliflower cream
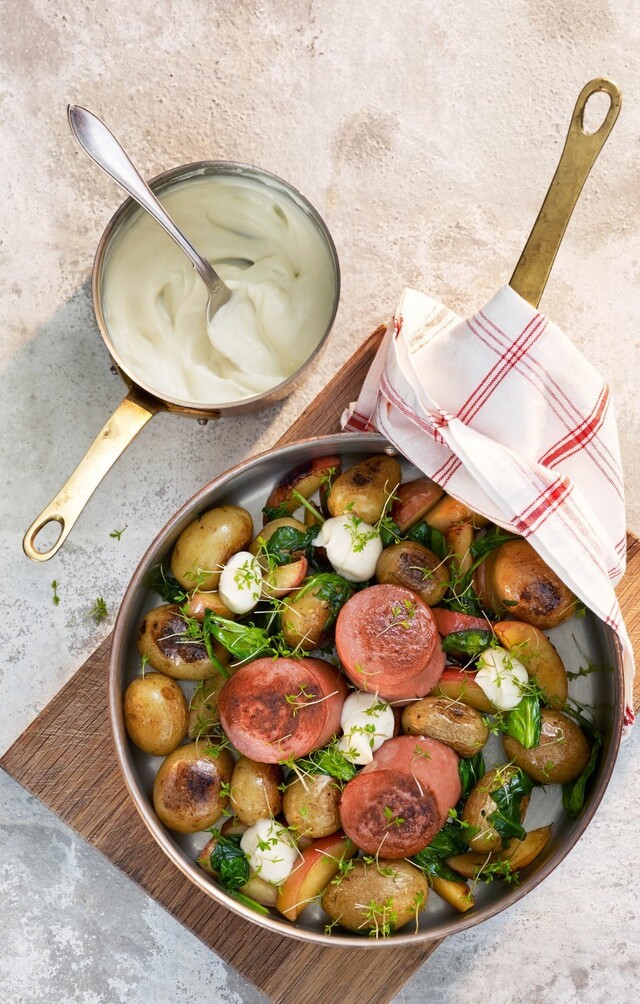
(268, 251)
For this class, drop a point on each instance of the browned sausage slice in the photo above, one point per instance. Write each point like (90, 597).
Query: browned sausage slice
(388, 642)
(273, 709)
(397, 804)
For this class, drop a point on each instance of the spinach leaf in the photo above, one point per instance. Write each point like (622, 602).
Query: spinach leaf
(471, 642)
(492, 539)
(452, 839)
(329, 760)
(508, 797)
(329, 587)
(389, 531)
(229, 861)
(276, 512)
(243, 641)
(431, 538)
(523, 722)
(287, 541)
(573, 794)
(470, 769)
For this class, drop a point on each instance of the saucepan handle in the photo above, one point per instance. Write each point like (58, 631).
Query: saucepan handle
(580, 153)
(126, 422)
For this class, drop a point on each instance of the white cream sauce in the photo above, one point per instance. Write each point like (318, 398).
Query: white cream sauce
(154, 302)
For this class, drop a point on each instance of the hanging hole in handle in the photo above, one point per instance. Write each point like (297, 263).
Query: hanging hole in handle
(45, 537)
(595, 112)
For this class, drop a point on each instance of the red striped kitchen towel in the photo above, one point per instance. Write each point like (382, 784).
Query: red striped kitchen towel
(505, 413)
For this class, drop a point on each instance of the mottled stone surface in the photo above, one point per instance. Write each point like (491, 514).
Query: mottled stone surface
(426, 134)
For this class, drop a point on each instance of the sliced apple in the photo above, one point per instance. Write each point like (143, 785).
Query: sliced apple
(461, 686)
(538, 656)
(448, 511)
(456, 894)
(460, 538)
(519, 854)
(305, 479)
(262, 892)
(412, 500)
(283, 579)
(320, 864)
(199, 602)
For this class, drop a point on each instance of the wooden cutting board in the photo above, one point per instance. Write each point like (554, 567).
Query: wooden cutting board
(55, 760)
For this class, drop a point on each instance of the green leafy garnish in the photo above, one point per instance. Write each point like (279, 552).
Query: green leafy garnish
(229, 861)
(508, 797)
(573, 794)
(333, 590)
(471, 642)
(452, 839)
(117, 533)
(329, 760)
(524, 722)
(166, 586)
(55, 597)
(99, 610)
(276, 512)
(470, 769)
(244, 641)
(287, 541)
(430, 538)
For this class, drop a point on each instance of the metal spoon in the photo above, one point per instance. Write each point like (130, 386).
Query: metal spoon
(97, 140)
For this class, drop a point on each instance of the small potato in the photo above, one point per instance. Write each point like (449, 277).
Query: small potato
(305, 479)
(155, 713)
(377, 898)
(162, 639)
(561, 755)
(417, 568)
(188, 792)
(311, 806)
(480, 805)
(448, 512)
(452, 722)
(365, 488)
(203, 706)
(254, 790)
(305, 619)
(517, 581)
(204, 547)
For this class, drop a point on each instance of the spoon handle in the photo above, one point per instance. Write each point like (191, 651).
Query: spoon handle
(97, 140)
(580, 152)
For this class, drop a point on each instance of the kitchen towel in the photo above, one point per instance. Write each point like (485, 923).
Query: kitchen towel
(507, 415)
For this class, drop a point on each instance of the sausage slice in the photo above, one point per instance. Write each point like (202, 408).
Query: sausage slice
(273, 709)
(388, 643)
(397, 804)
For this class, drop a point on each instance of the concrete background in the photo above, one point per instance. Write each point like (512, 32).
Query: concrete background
(426, 134)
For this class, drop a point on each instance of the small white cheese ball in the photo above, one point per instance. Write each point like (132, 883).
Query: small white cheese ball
(240, 583)
(270, 849)
(367, 722)
(353, 547)
(502, 677)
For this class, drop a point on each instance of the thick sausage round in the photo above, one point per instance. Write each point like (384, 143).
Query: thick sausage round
(388, 643)
(273, 709)
(397, 804)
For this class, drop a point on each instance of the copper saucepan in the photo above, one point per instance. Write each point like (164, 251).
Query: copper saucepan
(142, 401)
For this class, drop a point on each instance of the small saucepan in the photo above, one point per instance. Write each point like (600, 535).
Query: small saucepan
(143, 400)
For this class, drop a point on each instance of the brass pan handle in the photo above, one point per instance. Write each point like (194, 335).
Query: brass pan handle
(128, 419)
(580, 153)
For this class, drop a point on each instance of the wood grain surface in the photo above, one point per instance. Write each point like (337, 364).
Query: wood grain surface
(55, 760)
